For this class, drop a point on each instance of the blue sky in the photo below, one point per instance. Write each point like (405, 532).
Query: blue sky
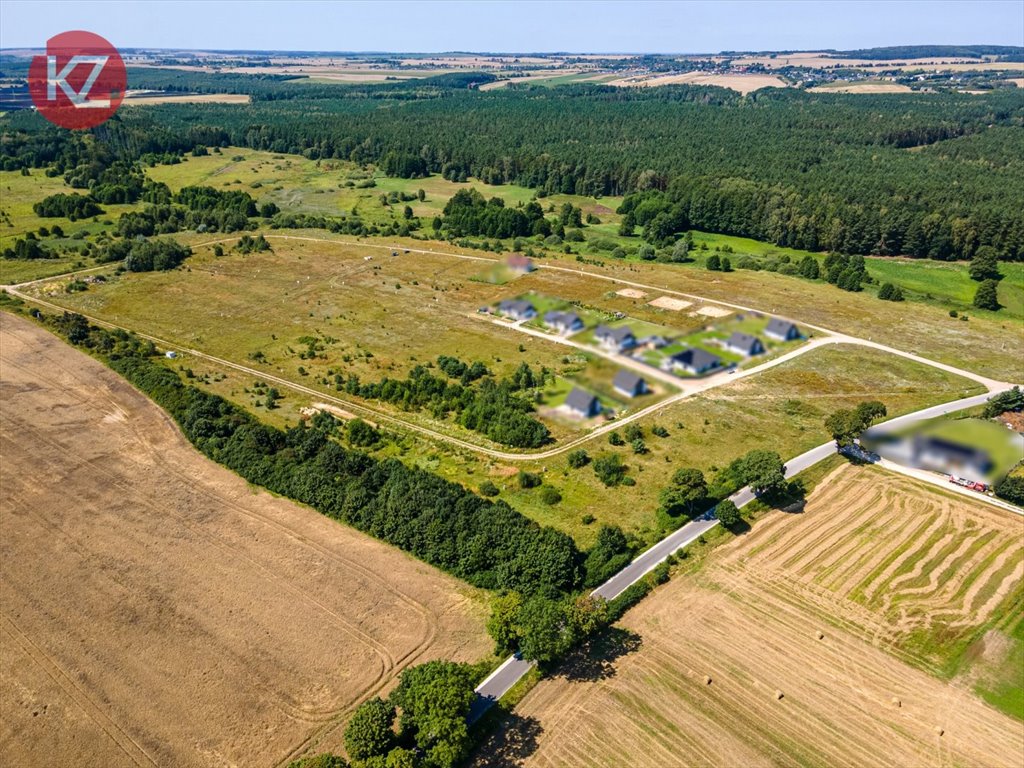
(524, 26)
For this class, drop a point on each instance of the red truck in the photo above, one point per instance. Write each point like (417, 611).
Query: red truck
(972, 485)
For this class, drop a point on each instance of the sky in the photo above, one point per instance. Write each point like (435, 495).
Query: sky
(686, 26)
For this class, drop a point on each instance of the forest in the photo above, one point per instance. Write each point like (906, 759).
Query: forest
(930, 175)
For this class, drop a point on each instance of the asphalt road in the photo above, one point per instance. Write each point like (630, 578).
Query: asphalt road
(514, 668)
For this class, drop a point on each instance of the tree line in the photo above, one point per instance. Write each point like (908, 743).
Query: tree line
(755, 166)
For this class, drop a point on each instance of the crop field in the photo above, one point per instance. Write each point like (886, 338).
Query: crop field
(156, 610)
(777, 650)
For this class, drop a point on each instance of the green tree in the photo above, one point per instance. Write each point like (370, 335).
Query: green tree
(325, 760)
(714, 263)
(985, 265)
(763, 471)
(609, 469)
(578, 458)
(544, 631)
(727, 513)
(987, 296)
(1011, 400)
(434, 700)
(726, 264)
(362, 433)
(370, 731)
(685, 493)
(843, 425)
(502, 626)
(809, 268)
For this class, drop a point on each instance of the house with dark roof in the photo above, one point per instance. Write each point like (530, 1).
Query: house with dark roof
(517, 309)
(694, 361)
(563, 322)
(629, 384)
(653, 342)
(517, 262)
(615, 339)
(744, 344)
(947, 456)
(782, 330)
(582, 404)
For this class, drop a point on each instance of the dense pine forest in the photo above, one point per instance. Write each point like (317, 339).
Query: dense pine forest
(927, 175)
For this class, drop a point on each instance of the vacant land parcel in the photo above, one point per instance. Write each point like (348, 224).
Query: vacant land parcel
(806, 606)
(157, 611)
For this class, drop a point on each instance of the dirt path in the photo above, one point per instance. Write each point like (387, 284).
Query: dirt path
(157, 610)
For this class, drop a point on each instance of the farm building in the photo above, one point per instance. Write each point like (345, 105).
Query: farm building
(517, 309)
(629, 384)
(582, 404)
(744, 344)
(694, 361)
(517, 262)
(947, 456)
(563, 322)
(615, 339)
(782, 330)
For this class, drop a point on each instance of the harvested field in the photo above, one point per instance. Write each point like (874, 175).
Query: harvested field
(156, 610)
(774, 652)
(188, 98)
(738, 82)
(842, 87)
(667, 302)
(631, 293)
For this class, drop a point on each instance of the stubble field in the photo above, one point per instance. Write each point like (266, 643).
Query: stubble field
(158, 611)
(807, 605)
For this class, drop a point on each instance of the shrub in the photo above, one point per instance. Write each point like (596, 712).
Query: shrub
(528, 479)
(609, 469)
(578, 458)
(487, 488)
(550, 495)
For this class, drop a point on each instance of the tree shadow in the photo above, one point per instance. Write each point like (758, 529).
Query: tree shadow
(791, 498)
(596, 659)
(511, 744)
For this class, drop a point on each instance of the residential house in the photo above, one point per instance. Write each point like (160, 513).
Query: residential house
(694, 361)
(654, 342)
(582, 404)
(615, 339)
(629, 384)
(563, 322)
(517, 309)
(517, 262)
(782, 330)
(744, 344)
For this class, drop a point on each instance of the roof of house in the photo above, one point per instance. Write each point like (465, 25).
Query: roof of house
(627, 381)
(619, 334)
(744, 341)
(954, 451)
(696, 358)
(518, 306)
(779, 327)
(519, 260)
(580, 400)
(554, 317)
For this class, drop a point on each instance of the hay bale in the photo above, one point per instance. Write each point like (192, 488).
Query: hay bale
(896, 702)
(939, 731)
(778, 695)
(707, 680)
(821, 635)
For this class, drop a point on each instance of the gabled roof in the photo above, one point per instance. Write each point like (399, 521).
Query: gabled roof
(627, 380)
(581, 400)
(743, 341)
(696, 358)
(568, 319)
(518, 306)
(618, 335)
(779, 327)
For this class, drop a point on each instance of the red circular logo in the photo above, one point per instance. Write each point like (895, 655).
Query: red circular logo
(80, 81)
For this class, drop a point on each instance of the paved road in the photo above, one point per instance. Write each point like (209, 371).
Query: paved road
(509, 673)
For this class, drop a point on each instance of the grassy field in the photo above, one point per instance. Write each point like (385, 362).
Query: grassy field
(381, 316)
